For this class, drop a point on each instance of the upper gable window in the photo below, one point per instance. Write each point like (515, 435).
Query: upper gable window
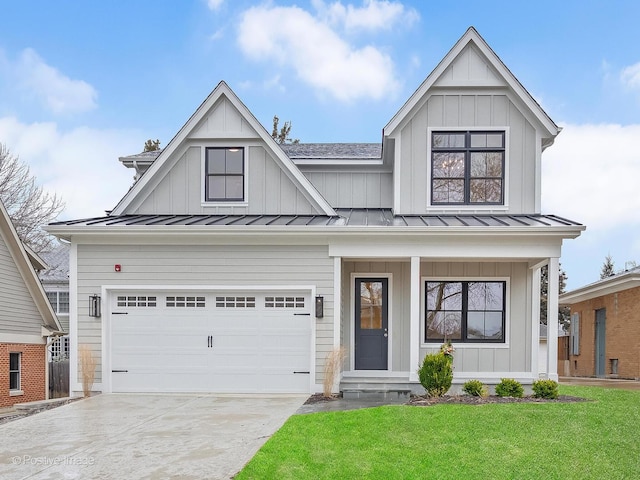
(224, 175)
(467, 168)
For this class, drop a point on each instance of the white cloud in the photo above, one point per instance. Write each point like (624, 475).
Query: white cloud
(590, 175)
(214, 4)
(292, 37)
(59, 93)
(373, 15)
(630, 76)
(81, 165)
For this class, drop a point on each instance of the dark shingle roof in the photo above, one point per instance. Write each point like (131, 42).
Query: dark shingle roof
(333, 150)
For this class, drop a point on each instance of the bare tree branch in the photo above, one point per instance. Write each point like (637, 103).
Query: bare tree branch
(29, 207)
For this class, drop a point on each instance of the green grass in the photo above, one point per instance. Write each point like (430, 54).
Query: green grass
(588, 440)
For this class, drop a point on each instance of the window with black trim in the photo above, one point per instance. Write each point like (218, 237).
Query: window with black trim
(14, 370)
(466, 311)
(224, 174)
(467, 168)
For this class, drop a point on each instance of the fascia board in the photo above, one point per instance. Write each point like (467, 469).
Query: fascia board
(226, 230)
(471, 35)
(601, 288)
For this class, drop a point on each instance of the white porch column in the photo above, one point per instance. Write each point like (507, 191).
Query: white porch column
(552, 319)
(337, 300)
(535, 320)
(414, 332)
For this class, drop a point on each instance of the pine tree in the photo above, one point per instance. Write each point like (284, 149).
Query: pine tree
(608, 269)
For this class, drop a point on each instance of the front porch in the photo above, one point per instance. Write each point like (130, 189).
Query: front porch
(394, 328)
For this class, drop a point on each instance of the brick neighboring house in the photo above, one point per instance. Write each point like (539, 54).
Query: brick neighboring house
(27, 321)
(605, 327)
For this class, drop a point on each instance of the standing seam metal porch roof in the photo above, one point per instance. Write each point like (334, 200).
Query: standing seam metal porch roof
(355, 217)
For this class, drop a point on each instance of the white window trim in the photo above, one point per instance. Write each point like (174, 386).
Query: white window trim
(58, 291)
(465, 345)
(476, 206)
(16, 391)
(352, 323)
(203, 177)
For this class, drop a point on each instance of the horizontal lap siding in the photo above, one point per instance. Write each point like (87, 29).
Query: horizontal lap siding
(18, 313)
(205, 265)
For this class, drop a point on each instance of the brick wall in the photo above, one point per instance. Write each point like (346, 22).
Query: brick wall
(622, 337)
(32, 374)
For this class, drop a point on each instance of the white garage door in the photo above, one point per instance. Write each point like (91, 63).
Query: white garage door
(233, 342)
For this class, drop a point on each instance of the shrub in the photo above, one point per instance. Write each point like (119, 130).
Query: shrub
(545, 389)
(509, 387)
(475, 388)
(436, 374)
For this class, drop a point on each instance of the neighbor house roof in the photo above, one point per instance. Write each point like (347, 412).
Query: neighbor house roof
(614, 284)
(25, 266)
(58, 262)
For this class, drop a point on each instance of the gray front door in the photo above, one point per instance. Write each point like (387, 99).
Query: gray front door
(371, 323)
(601, 317)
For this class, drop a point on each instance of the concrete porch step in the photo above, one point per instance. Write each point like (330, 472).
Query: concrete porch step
(376, 394)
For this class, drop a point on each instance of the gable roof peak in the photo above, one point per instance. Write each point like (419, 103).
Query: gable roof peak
(472, 36)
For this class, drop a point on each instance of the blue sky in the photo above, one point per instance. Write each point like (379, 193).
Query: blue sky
(82, 83)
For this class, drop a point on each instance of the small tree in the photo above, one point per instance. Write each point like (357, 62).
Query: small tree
(564, 312)
(436, 371)
(151, 145)
(608, 268)
(281, 135)
(28, 206)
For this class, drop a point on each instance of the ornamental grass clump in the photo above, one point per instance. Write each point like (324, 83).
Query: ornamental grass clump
(545, 389)
(436, 372)
(508, 387)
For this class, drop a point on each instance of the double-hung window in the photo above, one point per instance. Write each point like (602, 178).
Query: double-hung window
(14, 371)
(224, 174)
(465, 311)
(59, 301)
(467, 168)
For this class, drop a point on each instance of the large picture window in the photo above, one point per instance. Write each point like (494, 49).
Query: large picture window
(467, 168)
(224, 172)
(465, 311)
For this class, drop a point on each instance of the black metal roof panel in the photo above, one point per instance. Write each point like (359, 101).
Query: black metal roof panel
(355, 217)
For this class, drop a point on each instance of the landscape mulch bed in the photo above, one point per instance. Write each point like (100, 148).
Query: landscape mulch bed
(426, 401)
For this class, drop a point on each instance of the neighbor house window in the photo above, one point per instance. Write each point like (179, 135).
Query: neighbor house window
(224, 175)
(467, 168)
(14, 371)
(59, 301)
(464, 311)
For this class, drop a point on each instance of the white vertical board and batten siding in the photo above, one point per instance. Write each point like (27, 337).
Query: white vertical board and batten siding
(469, 94)
(515, 355)
(178, 188)
(19, 314)
(203, 265)
(345, 189)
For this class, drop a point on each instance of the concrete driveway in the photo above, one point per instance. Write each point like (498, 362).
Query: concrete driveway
(143, 436)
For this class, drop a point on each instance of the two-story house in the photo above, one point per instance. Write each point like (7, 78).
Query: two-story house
(235, 264)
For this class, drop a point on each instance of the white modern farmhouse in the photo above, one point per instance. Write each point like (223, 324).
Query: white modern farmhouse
(235, 264)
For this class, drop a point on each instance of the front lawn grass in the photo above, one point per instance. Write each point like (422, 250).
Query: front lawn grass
(585, 440)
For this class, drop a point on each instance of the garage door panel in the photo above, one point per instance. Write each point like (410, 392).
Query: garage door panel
(224, 346)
